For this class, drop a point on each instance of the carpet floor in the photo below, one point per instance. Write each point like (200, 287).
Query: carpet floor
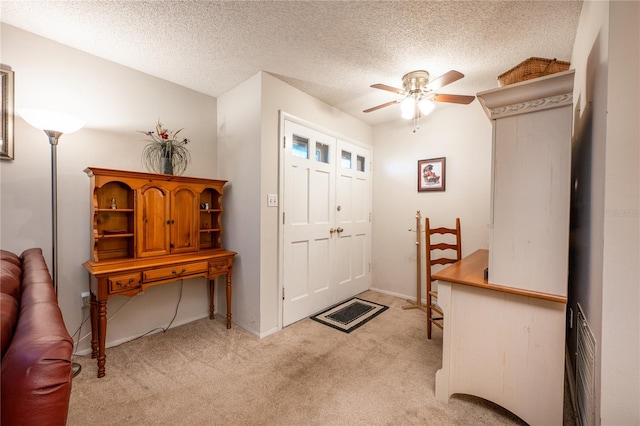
(200, 373)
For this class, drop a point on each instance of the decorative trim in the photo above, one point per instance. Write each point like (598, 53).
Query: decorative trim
(529, 106)
(551, 91)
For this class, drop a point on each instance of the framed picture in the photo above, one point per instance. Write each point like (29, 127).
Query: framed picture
(6, 126)
(431, 174)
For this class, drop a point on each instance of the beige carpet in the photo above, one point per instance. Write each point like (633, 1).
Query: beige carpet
(383, 373)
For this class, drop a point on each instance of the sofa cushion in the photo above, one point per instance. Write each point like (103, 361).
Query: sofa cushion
(10, 257)
(10, 279)
(8, 319)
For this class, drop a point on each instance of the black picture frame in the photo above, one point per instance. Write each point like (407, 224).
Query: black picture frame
(431, 174)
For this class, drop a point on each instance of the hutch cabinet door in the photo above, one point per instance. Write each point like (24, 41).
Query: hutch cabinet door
(153, 221)
(184, 220)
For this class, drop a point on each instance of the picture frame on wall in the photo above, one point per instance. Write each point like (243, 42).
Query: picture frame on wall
(6, 125)
(431, 174)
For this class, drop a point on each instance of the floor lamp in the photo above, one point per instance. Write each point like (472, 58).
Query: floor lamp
(47, 121)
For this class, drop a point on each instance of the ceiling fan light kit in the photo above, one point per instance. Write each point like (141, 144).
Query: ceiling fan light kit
(418, 94)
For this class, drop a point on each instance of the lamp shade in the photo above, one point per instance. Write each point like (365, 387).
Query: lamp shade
(426, 106)
(50, 120)
(408, 107)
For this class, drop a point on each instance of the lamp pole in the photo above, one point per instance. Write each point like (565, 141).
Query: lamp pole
(53, 140)
(45, 120)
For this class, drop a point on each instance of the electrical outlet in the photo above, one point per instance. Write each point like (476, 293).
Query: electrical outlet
(86, 298)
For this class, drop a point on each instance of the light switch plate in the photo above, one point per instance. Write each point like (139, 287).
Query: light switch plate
(272, 200)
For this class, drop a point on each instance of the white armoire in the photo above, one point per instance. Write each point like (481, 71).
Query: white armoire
(504, 335)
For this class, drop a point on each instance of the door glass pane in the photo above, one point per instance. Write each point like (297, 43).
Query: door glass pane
(300, 147)
(345, 160)
(360, 164)
(322, 152)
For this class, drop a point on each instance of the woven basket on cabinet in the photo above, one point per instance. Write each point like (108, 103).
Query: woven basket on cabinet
(532, 68)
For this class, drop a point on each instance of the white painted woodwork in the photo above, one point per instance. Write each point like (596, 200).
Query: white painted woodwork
(309, 207)
(499, 343)
(529, 236)
(322, 267)
(506, 348)
(353, 243)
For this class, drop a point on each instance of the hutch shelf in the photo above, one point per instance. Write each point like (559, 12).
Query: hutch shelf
(150, 229)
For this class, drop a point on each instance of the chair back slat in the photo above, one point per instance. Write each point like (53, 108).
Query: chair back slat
(439, 259)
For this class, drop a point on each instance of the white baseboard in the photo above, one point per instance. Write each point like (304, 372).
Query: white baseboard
(392, 293)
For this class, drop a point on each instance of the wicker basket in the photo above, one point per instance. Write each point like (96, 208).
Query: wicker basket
(532, 68)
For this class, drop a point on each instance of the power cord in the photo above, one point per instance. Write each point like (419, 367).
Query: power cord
(164, 329)
(175, 314)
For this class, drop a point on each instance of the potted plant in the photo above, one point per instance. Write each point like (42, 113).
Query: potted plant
(165, 153)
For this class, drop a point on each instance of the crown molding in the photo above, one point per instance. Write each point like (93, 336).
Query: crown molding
(538, 94)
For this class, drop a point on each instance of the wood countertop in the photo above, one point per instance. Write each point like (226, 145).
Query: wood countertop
(470, 271)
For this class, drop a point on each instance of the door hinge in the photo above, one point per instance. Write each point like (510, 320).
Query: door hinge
(283, 213)
(284, 141)
(282, 293)
(369, 216)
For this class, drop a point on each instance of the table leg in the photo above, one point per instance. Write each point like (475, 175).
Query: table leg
(212, 289)
(229, 298)
(94, 326)
(102, 334)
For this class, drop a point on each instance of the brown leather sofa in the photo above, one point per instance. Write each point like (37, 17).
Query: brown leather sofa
(36, 347)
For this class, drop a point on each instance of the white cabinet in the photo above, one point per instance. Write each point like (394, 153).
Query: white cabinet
(531, 183)
(504, 337)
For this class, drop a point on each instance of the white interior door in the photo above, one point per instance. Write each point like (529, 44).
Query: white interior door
(309, 214)
(351, 265)
(326, 205)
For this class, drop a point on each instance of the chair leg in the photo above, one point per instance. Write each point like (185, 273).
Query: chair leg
(429, 316)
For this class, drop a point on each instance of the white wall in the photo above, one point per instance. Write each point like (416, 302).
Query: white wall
(278, 96)
(604, 274)
(249, 157)
(239, 151)
(462, 134)
(620, 374)
(115, 102)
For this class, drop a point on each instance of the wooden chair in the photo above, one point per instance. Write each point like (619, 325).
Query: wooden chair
(442, 244)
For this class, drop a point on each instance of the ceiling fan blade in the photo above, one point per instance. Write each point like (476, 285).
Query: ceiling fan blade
(380, 106)
(455, 99)
(444, 79)
(387, 88)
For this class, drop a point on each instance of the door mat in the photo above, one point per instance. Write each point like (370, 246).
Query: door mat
(349, 315)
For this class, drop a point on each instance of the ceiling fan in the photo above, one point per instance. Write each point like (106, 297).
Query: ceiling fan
(418, 93)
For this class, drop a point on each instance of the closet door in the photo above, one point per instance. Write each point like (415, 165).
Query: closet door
(352, 256)
(309, 216)
(326, 226)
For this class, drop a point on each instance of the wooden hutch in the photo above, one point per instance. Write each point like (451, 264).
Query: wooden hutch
(149, 229)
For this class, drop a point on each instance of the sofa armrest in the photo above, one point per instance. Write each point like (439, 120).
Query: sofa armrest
(36, 369)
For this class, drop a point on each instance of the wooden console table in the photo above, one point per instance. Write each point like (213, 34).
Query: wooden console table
(110, 279)
(501, 343)
(150, 229)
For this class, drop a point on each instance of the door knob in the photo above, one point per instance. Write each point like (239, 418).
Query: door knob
(339, 230)
(332, 230)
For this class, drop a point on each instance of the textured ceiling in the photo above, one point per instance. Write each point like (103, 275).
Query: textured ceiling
(332, 50)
